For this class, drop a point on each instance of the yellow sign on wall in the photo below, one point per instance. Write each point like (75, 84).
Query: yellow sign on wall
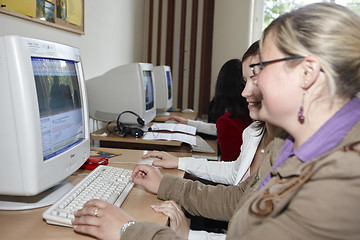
(65, 14)
(26, 7)
(74, 12)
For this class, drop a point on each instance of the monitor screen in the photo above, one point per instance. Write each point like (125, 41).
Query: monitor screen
(163, 89)
(60, 110)
(149, 89)
(168, 79)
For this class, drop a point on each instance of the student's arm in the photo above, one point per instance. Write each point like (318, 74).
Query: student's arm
(218, 172)
(203, 127)
(217, 202)
(229, 173)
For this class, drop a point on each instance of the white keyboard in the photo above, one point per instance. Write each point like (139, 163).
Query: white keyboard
(201, 146)
(104, 182)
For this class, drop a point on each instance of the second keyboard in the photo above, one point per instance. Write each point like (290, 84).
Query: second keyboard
(110, 184)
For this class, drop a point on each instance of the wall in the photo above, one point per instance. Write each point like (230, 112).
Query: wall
(113, 34)
(232, 33)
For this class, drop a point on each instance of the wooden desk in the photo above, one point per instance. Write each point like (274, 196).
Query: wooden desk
(106, 138)
(191, 116)
(111, 140)
(28, 224)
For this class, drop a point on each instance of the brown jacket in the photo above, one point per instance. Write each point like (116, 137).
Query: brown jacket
(314, 200)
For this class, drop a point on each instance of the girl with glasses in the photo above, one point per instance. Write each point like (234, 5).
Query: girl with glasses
(313, 189)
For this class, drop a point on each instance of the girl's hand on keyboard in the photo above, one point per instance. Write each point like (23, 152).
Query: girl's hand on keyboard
(167, 160)
(105, 224)
(147, 176)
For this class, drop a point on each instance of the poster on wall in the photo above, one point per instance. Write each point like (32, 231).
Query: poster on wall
(65, 14)
(26, 7)
(45, 10)
(74, 12)
(61, 9)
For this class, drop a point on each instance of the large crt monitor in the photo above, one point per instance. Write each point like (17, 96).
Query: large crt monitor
(43, 123)
(127, 87)
(163, 87)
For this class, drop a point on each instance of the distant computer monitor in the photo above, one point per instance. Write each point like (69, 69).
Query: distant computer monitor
(127, 87)
(43, 123)
(163, 87)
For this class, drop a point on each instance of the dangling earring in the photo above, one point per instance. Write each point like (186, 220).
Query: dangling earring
(301, 117)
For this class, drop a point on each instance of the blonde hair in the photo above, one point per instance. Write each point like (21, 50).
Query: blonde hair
(331, 33)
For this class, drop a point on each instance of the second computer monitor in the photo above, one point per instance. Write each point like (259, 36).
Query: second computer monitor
(128, 87)
(163, 86)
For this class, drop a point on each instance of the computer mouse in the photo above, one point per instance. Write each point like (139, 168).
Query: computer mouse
(148, 160)
(188, 110)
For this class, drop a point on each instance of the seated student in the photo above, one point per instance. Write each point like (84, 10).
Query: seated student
(255, 139)
(316, 71)
(232, 108)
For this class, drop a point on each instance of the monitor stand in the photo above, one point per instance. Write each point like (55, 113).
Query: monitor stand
(43, 199)
(162, 112)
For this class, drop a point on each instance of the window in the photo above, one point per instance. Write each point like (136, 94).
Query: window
(274, 8)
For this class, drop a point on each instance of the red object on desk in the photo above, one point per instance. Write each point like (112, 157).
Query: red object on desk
(94, 161)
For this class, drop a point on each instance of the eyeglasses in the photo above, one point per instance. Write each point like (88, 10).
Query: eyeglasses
(258, 67)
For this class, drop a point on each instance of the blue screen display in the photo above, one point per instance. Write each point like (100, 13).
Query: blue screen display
(60, 108)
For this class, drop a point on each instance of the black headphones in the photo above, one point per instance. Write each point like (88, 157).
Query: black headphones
(135, 131)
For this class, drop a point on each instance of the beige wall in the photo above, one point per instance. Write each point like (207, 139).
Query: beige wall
(232, 34)
(113, 34)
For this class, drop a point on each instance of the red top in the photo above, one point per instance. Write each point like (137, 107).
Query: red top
(229, 132)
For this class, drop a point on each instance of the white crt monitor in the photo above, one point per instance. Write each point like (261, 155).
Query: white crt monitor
(128, 87)
(43, 123)
(163, 89)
